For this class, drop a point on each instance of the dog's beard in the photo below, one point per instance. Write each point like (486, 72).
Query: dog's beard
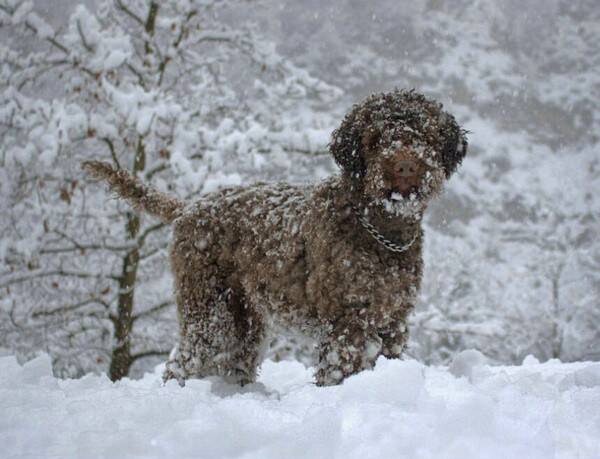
(414, 203)
(411, 206)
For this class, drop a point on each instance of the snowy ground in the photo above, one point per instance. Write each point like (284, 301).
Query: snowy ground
(401, 410)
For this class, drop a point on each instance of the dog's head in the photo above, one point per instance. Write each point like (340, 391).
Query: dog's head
(397, 149)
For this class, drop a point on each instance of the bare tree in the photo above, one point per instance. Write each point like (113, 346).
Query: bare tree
(153, 87)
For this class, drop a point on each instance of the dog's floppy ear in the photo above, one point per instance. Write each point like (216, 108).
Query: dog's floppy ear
(346, 145)
(352, 141)
(370, 137)
(453, 144)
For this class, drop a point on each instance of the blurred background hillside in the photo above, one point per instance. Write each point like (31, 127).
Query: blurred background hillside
(202, 94)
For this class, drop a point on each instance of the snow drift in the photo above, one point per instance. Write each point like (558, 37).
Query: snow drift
(401, 409)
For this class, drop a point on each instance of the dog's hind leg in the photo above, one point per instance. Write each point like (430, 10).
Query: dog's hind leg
(221, 335)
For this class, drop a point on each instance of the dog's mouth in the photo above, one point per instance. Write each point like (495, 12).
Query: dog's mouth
(408, 196)
(400, 194)
(402, 187)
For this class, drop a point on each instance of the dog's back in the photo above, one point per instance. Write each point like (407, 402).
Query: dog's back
(250, 239)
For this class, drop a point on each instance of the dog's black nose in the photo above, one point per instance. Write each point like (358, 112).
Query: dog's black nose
(407, 168)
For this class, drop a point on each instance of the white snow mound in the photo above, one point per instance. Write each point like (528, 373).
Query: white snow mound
(402, 409)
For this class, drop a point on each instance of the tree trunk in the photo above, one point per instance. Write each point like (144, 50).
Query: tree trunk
(121, 356)
(121, 359)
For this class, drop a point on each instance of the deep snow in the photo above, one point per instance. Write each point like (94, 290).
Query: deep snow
(402, 409)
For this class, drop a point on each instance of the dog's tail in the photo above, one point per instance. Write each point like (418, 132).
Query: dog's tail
(140, 196)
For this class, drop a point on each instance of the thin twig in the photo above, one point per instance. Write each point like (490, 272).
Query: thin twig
(83, 40)
(57, 272)
(129, 13)
(141, 355)
(70, 307)
(152, 310)
(79, 248)
(113, 153)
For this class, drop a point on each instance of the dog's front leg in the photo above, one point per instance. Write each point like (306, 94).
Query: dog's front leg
(352, 345)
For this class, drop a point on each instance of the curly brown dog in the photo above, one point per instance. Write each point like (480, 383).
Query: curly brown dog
(339, 262)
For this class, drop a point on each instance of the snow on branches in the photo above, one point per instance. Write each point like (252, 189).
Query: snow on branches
(173, 91)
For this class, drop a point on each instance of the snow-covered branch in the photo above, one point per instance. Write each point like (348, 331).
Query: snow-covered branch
(153, 87)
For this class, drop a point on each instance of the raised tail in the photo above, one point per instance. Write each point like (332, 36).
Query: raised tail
(140, 196)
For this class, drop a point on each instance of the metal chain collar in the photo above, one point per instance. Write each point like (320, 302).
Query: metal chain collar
(393, 247)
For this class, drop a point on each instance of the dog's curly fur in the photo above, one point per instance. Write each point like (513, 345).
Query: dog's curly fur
(247, 258)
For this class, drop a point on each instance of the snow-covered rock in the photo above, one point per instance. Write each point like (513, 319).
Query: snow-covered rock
(400, 409)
